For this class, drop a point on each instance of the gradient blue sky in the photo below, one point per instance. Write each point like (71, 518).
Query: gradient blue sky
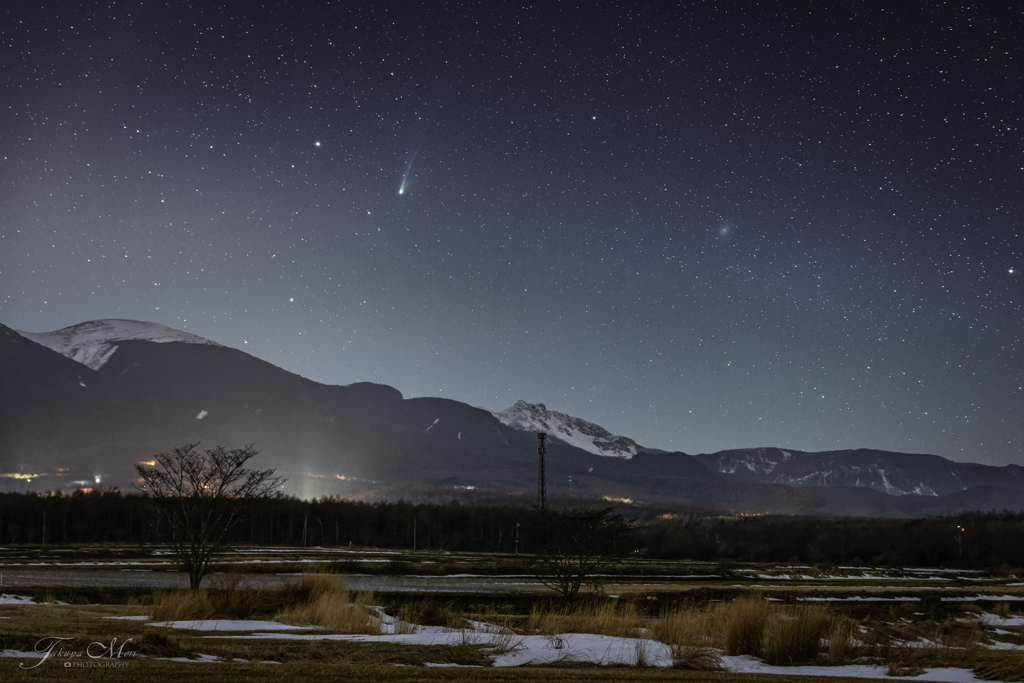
(702, 225)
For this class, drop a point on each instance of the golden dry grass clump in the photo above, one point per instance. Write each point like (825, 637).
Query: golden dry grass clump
(228, 598)
(181, 605)
(405, 620)
(741, 625)
(752, 626)
(1000, 667)
(328, 604)
(841, 648)
(606, 618)
(792, 635)
(691, 634)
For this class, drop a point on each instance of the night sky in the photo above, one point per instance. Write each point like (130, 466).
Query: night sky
(703, 226)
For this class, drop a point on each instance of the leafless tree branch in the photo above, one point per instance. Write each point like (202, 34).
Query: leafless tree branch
(200, 494)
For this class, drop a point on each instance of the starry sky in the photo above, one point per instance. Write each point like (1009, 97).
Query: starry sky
(702, 225)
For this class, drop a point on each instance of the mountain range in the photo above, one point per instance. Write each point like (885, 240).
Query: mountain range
(79, 407)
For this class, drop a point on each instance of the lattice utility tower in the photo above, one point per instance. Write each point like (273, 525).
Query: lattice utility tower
(542, 492)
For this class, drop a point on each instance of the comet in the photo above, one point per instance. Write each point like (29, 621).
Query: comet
(408, 167)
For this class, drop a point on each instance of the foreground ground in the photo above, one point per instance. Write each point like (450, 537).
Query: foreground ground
(333, 614)
(242, 673)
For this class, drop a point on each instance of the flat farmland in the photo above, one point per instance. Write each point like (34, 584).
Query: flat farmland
(480, 574)
(356, 613)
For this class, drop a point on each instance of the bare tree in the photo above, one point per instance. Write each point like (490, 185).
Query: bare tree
(201, 496)
(576, 543)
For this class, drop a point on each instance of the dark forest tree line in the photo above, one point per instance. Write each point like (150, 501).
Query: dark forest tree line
(112, 516)
(987, 540)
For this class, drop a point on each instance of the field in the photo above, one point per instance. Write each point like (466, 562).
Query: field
(350, 614)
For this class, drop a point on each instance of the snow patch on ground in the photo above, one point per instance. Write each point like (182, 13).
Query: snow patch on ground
(515, 650)
(747, 664)
(999, 645)
(861, 598)
(200, 659)
(996, 620)
(228, 625)
(584, 648)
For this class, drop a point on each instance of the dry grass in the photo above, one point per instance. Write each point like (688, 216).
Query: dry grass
(232, 598)
(965, 636)
(406, 619)
(906, 638)
(642, 653)
(908, 645)
(224, 602)
(690, 633)
(606, 618)
(429, 611)
(792, 635)
(1001, 667)
(181, 605)
(690, 627)
(841, 649)
(503, 642)
(899, 669)
(779, 635)
(496, 639)
(695, 658)
(328, 604)
(741, 624)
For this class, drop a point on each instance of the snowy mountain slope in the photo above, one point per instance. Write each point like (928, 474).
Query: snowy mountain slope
(93, 343)
(529, 417)
(895, 474)
(63, 423)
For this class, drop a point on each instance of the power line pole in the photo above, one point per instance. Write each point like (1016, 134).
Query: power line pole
(542, 492)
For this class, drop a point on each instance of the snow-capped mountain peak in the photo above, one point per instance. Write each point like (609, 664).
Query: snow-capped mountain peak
(529, 417)
(93, 343)
(895, 474)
